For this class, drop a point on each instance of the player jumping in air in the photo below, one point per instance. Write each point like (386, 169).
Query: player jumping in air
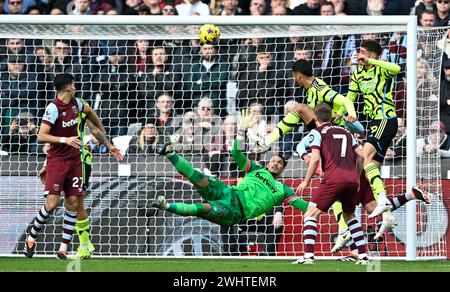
(82, 225)
(373, 79)
(258, 192)
(64, 170)
(365, 194)
(338, 150)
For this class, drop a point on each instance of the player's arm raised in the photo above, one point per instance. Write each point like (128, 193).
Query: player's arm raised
(92, 115)
(103, 140)
(44, 136)
(245, 122)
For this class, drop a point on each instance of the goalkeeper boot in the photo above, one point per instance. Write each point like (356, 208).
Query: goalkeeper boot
(91, 247)
(164, 149)
(304, 261)
(61, 255)
(341, 241)
(421, 195)
(29, 249)
(389, 222)
(82, 253)
(160, 203)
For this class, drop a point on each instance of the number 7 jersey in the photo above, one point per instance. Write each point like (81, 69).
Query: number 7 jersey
(336, 147)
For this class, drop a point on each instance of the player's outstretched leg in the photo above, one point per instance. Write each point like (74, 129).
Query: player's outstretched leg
(415, 194)
(196, 209)
(181, 165)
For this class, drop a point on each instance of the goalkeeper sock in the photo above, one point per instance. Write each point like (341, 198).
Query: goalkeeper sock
(286, 125)
(186, 169)
(374, 177)
(337, 211)
(82, 228)
(183, 209)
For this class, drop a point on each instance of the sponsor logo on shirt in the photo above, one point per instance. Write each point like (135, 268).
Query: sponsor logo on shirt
(69, 123)
(266, 182)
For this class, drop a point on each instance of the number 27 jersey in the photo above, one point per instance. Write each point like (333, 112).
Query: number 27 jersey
(336, 147)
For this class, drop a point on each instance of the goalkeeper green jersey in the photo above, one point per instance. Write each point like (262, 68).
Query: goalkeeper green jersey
(375, 85)
(259, 191)
(319, 92)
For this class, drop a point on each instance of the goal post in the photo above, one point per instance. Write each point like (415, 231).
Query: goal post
(118, 32)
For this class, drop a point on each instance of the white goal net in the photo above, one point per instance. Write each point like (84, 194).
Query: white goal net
(155, 83)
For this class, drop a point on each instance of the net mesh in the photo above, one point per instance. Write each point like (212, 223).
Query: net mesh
(150, 84)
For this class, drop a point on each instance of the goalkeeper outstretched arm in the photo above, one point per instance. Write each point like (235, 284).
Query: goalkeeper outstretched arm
(245, 121)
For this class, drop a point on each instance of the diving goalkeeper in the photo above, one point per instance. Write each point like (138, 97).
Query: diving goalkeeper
(257, 193)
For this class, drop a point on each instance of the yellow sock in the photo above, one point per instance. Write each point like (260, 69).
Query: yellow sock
(338, 214)
(286, 125)
(374, 177)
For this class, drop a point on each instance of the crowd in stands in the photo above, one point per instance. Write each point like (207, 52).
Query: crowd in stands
(181, 90)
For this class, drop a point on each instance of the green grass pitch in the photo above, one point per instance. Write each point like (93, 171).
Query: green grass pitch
(210, 265)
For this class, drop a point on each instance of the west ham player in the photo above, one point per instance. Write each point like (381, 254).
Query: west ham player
(82, 225)
(337, 148)
(257, 193)
(365, 194)
(59, 127)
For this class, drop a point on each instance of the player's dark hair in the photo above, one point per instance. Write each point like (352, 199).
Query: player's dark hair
(282, 158)
(304, 67)
(62, 81)
(323, 112)
(372, 46)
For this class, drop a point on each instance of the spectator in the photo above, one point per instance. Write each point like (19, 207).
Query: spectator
(33, 10)
(154, 6)
(190, 7)
(159, 77)
(13, 47)
(279, 11)
(117, 89)
(445, 96)
(45, 69)
(246, 53)
(398, 149)
(187, 139)
(164, 117)
(436, 142)
(280, 3)
(207, 77)
(229, 7)
(423, 5)
(145, 140)
(169, 9)
(22, 136)
(18, 91)
(355, 7)
(82, 7)
(112, 12)
(427, 18)
(442, 13)
(257, 7)
(1, 6)
(375, 7)
(327, 9)
(132, 7)
(311, 7)
(17, 6)
(100, 7)
(260, 83)
(140, 57)
(338, 6)
(56, 11)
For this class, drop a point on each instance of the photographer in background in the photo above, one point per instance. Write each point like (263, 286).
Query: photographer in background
(22, 136)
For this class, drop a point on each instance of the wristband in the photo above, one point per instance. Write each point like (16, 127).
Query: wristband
(62, 140)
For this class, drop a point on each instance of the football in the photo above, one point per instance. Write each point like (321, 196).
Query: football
(209, 34)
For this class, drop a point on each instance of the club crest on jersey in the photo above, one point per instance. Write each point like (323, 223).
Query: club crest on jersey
(75, 110)
(56, 187)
